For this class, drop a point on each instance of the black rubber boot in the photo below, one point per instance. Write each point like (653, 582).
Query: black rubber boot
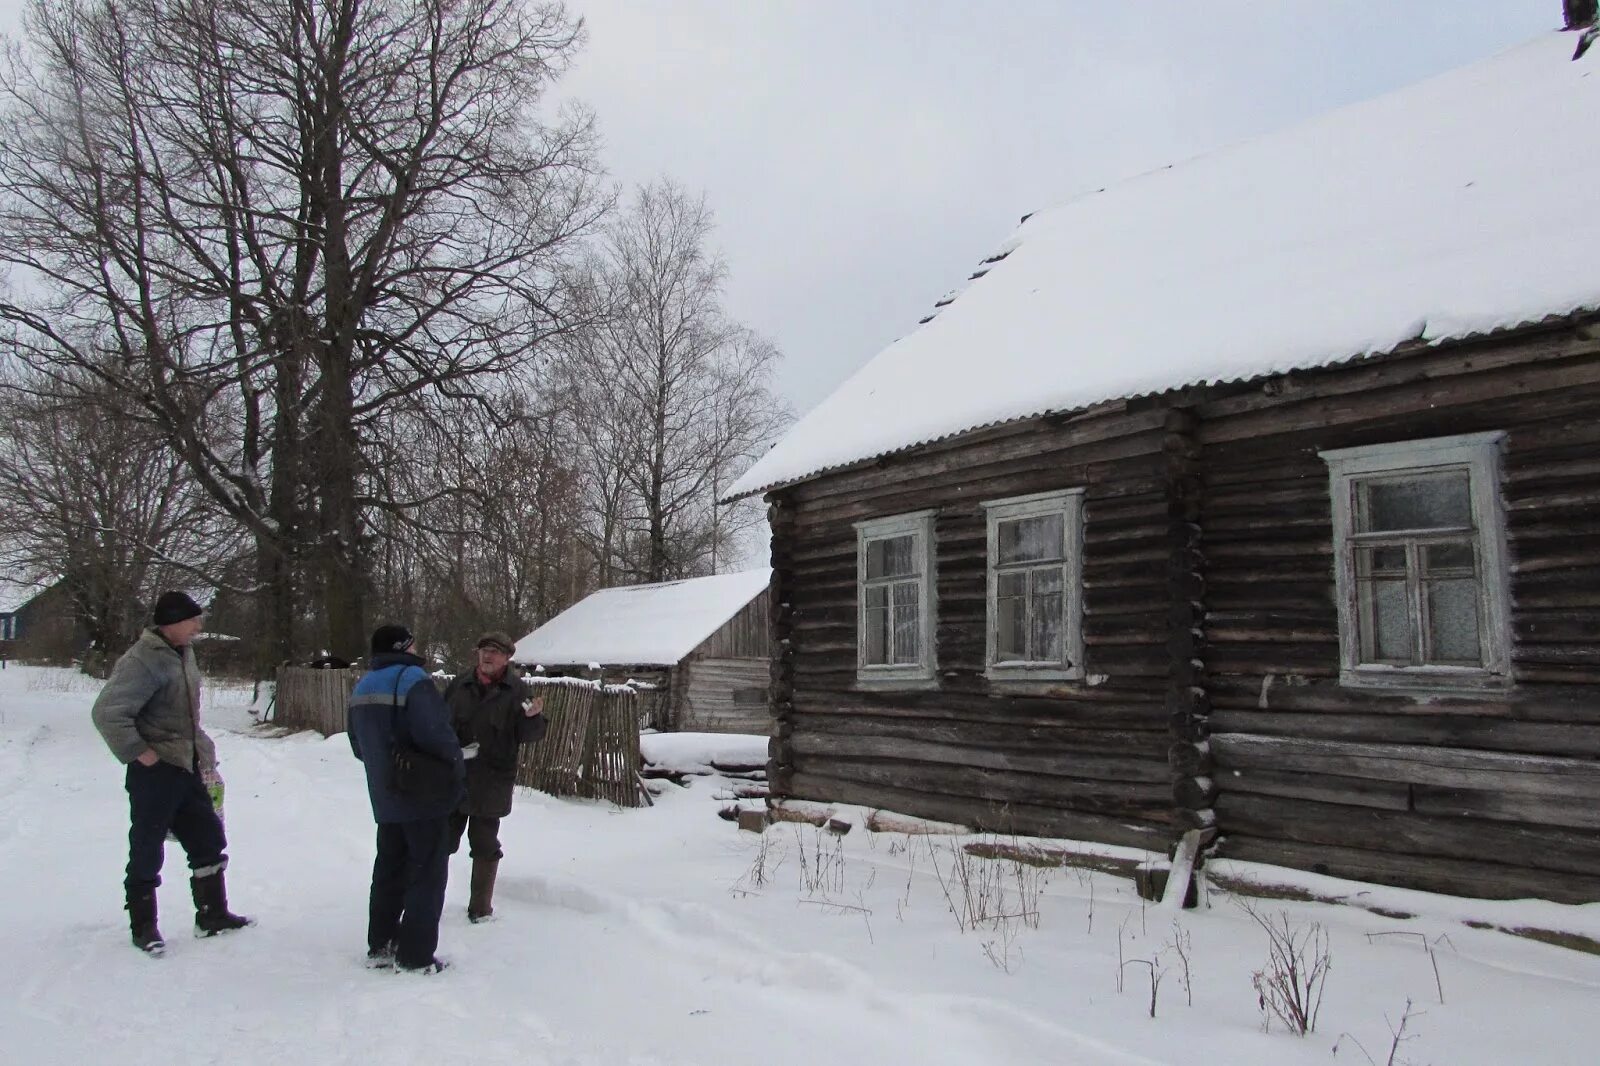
(141, 907)
(211, 914)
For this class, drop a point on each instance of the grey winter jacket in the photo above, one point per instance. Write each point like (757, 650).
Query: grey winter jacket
(153, 701)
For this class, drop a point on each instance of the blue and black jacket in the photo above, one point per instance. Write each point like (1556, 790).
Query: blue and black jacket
(398, 696)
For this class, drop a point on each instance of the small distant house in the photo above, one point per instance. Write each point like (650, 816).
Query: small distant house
(702, 643)
(13, 595)
(38, 621)
(1258, 495)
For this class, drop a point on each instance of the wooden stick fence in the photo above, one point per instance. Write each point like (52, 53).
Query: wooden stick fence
(309, 698)
(591, 747)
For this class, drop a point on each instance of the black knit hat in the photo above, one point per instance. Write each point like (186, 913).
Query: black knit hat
(391, 638)
(174, 607)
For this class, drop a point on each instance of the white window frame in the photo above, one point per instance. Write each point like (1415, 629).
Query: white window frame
(1069, 504)
(920, 674)
(1479, 455)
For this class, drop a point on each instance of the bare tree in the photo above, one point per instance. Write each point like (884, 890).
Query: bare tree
(500, 550)
(274, 227)
(89, 496)
(671, 394)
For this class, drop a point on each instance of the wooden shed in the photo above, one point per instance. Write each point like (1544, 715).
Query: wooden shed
(1260, 494)
(702, 643)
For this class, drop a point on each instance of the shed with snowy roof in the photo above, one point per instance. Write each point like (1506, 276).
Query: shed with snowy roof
(702, 642)
(1258, 495)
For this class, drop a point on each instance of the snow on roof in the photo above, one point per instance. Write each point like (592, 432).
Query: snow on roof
(14, 593)
(1467, 203)
(644, 625)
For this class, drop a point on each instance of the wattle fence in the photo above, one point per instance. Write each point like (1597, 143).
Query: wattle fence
(590, 749)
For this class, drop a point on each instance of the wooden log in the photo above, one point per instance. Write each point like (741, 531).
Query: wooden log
(1189, 759)
(1026, 819)
(1409, 833)
(1531, 703)
(1062, 762)
(1194, 792)
(1459, 731)
(1575, 779)
(1324, 788)
(1505, 806)
(1135, 799)
(981, 732)
(1482, 878)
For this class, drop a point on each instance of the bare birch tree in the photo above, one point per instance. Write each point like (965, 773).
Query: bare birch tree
(274, 225)
(671, 393)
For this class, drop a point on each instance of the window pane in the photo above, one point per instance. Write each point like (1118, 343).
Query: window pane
(875, 635)
(1048, 632)
(1047, 581)
(877, 597)
(1434, 502)
(1453, 622)
(1381, 562)
(891, 556)
(1385, 627)
(1030, 539)
(907, 623)
(1011, 612)
(1444, 558)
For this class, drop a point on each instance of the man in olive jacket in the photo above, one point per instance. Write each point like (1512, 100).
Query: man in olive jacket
(489, 707)
(149, 715)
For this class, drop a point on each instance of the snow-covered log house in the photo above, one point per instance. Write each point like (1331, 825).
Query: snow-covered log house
(1259, 494)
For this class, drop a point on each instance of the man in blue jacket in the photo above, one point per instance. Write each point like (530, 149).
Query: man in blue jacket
(396, 702)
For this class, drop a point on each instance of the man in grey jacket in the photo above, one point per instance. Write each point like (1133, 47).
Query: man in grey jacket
(149, 715)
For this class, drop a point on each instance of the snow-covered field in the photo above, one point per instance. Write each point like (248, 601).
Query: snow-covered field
(644, 937)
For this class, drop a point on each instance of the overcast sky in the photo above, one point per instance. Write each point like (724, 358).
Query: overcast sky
(863, 155)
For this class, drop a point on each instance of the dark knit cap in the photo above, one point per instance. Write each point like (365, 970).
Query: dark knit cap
(498, 639)
(391, 638)
(174, 606)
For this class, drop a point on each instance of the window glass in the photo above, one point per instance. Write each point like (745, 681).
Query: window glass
(907, 623)
(1011, 617)
(1030, 539)
(1453, 621)
(1386, 626)
(891, 557)
(1432, 502)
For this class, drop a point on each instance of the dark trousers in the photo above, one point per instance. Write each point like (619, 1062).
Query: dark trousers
(163, 798)
(483, 836)
(408, 879)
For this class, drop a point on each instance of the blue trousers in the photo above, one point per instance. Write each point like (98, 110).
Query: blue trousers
(408, 879)
(163, 798)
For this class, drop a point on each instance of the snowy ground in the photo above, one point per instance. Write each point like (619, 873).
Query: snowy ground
(643, 937)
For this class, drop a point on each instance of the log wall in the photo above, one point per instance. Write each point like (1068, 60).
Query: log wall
(1488, 794)
(1085, 759)
(723, 696)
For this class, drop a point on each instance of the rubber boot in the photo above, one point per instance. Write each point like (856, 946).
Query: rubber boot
(480, 905)
(211, 914)
(141, 907)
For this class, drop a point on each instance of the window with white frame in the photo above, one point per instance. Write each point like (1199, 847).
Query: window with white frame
(1419, 561)
(894, 578)
(1035, 628)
